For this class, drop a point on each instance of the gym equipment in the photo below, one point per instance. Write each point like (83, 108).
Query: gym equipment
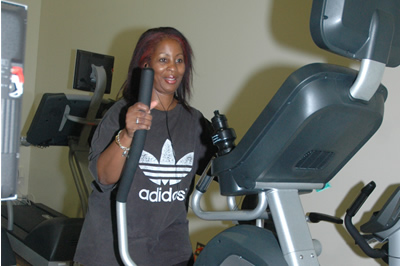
(13, 35)
(37, 233)
(384, 226)
(319, 118)
(132, 161)
(13, 28)
(41, 235)
(65, 118)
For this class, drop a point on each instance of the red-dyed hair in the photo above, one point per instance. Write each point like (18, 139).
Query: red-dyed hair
(142, 53)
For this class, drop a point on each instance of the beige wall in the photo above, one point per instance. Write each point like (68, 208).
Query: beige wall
(244, 51)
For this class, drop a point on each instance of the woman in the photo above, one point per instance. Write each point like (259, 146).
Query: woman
(177, 147)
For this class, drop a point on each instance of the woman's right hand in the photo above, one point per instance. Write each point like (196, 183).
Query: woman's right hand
(138, 117)
(111, 161)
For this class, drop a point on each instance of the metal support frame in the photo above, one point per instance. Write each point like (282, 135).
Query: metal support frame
(292, 229)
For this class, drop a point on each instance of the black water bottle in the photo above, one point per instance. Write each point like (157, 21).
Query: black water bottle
(223, 137)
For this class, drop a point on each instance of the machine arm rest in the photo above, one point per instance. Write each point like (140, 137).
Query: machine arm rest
(243, 215)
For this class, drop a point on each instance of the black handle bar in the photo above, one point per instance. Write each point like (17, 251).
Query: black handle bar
(360, 240)
(132, 161)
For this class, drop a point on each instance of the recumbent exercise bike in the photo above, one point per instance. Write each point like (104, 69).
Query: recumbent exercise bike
(319, 118)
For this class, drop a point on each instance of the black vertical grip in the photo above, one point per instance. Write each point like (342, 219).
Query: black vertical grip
(132, 161)
(362, 197)
(351, 212)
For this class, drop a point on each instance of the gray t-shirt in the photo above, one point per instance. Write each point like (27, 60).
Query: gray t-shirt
(156, 205)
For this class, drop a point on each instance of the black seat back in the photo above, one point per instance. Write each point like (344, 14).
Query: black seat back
(312, 127)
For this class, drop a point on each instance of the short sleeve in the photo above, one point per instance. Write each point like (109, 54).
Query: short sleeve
(104, 135)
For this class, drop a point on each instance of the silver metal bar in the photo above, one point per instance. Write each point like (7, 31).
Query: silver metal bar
(234, 207)
(260, 223)
(232, 203)
(289, 185)
(243, 215)
(123, 234)
(292, 229)
(394, 249)
(368, 80)
(94, 103)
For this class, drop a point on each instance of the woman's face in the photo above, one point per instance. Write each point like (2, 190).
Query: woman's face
(168, 64)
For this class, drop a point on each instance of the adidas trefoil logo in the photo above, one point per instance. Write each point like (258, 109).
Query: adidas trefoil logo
(166, 171)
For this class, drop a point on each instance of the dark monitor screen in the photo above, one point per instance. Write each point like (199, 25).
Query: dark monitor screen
(50, 125)
(83, 78)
